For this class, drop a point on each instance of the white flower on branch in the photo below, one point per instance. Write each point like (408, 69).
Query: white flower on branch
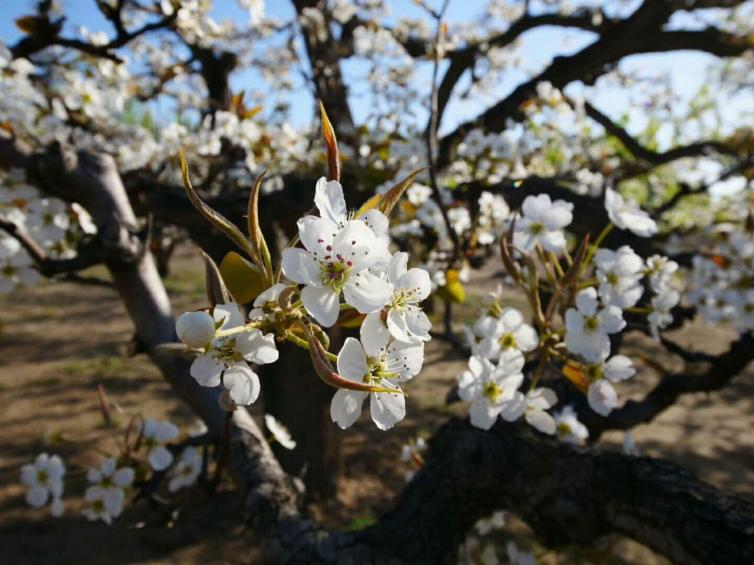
(588, 326)
(627, 215)
(15, 266)
(44, 482)
(186, 470)
(376, 361)
(533, 407)
(279, 432)
(569, 428)
(336, 258)
(506, 333)
(542, 222)
(154, 435)
(109, 487)
(227, 359)
(619, 274)
(488, 387)
(404, 318)
(601, 394)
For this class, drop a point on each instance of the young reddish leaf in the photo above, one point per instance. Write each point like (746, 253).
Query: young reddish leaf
(333, 158)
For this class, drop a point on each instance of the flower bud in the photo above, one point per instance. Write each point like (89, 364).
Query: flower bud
(195, 329)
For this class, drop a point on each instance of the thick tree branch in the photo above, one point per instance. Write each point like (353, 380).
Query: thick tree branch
(566, 496)
(640, 33)
(671, 387)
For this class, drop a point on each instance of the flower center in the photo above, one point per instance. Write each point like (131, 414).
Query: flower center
(536, 228)
(9, 270)
(492, 391)
(507, 341)
(42, 476)
(98, 506)
(335, 273)
(612, 278)
(591, 324)
(106, 482)
(594, 372)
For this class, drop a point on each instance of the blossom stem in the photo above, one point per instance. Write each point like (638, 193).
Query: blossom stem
(597, 242)
(237, 330)
(293, 338)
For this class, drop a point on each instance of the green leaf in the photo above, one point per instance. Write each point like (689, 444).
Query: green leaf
(243, 279)
(212, 216)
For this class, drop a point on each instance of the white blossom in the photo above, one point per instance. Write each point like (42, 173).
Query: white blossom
(44, 481)
(588, 326)
(279, 432)
(627, 215)
(336, 258)
(377, 361)
(542, 222)
(186, 470)
(488, 387)
(154, 435)
(228, 357)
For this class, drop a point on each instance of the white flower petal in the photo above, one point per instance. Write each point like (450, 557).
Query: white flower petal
(345, 407)
(206, 370)
(160, 458)
(387, 409)
(299, 266)
(329, 199)
(374, 334)
(367, 292)
(352, 361)
(322, 303)
(541, 420)
(242, 384)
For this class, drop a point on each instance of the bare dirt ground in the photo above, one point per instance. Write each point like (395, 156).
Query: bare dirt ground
(59, 341)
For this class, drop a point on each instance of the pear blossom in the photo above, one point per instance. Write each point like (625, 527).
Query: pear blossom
(533, 407)
(601, 394)
(195, 329)
(588, 326)
(154, 435)
(266, 305)
(227, 359)
(186, 470)
(15, 266)
(100, 507)
(627, 215)
(569, 428)
(377, 361)
(44, 481)
(336, 258)
(488, 387)
(508, 332)
(495, 521)
(619, 274)
(279, 432)
(109, 485)
(661, 304)
(404, 318)
(542, 222)
(660, 271)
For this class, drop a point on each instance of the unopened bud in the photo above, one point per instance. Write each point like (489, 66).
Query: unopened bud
(195, 329)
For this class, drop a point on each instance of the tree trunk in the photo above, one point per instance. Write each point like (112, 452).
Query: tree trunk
(294, 395)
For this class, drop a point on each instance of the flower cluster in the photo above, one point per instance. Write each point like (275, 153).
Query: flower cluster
(722, 277)
(591, 291)
(144, 457)
(107, 494)
(343, 256)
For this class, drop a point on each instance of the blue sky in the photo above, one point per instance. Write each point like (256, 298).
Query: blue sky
(538, 48)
